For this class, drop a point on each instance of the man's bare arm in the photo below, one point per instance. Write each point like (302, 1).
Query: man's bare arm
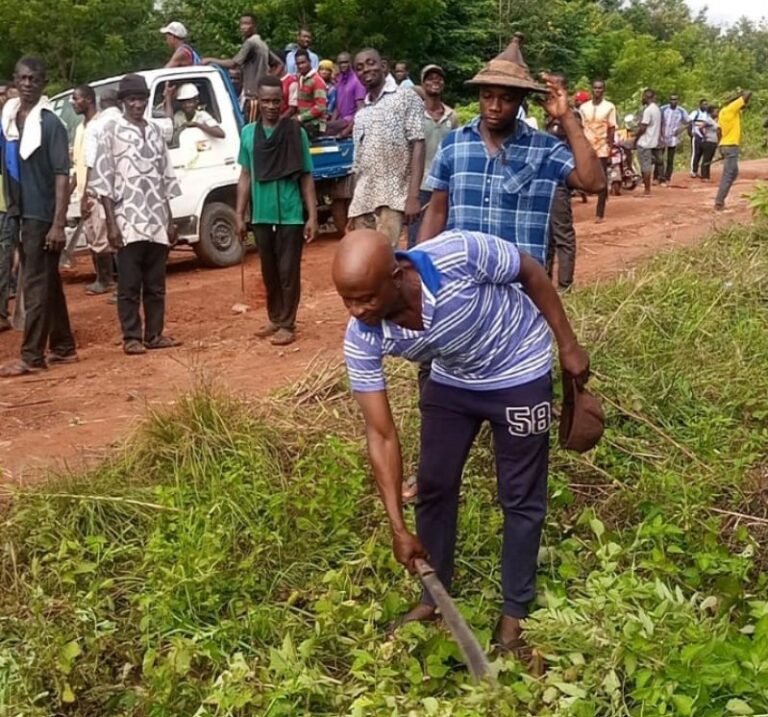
(588, 174)
(387, 463)
(435, 217)
(538, 286)
(221, 62)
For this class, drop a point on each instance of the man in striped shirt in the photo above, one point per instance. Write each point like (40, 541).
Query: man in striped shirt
(481, 311)
(312, 97)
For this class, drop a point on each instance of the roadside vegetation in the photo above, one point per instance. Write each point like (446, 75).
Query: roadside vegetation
(232, 559)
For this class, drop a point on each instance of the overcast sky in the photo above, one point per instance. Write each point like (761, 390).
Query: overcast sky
(728, 11)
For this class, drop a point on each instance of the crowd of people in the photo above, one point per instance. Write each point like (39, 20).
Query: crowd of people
(408, 147)
(486, 206)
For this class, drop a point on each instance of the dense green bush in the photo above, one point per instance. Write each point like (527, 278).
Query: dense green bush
(234, 560)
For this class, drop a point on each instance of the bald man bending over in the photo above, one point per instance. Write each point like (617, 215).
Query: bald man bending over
(481, 312)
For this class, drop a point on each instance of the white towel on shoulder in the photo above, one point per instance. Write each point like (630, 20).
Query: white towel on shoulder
(33, 125)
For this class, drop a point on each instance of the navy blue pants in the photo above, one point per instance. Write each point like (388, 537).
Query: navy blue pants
(450, 420)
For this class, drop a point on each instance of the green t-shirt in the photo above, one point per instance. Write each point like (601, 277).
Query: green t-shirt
(277, 201)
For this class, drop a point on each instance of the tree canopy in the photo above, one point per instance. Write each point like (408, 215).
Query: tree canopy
(631, 44)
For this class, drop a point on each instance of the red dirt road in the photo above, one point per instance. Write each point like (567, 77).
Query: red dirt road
(70, 414)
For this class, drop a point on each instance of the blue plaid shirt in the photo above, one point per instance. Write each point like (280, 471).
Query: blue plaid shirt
(508, 194)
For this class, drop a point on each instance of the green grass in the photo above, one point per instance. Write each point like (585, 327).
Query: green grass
(234, 560)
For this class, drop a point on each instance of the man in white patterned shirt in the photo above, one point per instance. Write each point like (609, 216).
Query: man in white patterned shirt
(481, 312)
(389, 152)
(134, 178)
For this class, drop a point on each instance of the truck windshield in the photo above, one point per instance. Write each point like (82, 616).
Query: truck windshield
(62, 107)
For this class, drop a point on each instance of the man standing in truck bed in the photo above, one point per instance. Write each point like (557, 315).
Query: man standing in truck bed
(254, 57)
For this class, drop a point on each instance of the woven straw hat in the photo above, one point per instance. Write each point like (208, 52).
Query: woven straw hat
(508, 69)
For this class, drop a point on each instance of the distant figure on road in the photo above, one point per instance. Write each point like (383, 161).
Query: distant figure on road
(562, 234)
(648, 139)
(710, 132)
(598, 117)
(183, 55)
(674, 120)
(697, 120)
(729, 121)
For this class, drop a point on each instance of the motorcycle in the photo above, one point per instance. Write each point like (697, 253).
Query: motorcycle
(621, 171)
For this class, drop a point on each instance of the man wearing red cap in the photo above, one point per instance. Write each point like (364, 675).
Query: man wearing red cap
(580, 98)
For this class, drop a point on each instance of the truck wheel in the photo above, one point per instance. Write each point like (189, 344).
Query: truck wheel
(218, 244)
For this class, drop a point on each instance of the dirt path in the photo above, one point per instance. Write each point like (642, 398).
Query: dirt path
(71, 414)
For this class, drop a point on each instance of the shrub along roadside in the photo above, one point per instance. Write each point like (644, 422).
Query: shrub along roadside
(234, 560)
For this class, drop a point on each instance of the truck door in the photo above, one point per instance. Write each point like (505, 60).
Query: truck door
(201, 161)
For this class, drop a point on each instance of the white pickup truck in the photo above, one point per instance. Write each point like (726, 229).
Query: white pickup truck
(207, 167)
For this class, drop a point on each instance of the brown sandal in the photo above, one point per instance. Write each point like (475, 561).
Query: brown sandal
(19, 368)
(519, 648)
(134, 347)
(162, 342)
(419, 613)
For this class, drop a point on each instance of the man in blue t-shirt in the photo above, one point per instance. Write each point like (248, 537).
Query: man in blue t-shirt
(481, 311)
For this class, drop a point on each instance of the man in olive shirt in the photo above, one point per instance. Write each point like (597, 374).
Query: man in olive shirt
(276, 176)
(254, 57)
(36, 183)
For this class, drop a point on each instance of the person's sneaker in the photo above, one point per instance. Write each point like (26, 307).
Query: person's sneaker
(283, 337)
(694, 175)
(112, 299)
(267, 330)
(5, 325)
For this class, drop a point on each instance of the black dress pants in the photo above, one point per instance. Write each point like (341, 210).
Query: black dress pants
(141, 280)
(47, 320)
(280, 248)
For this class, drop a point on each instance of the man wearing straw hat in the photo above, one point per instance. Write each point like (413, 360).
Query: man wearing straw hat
(497, 175)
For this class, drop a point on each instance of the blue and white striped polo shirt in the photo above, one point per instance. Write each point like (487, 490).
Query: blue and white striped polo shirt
(481, 331)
